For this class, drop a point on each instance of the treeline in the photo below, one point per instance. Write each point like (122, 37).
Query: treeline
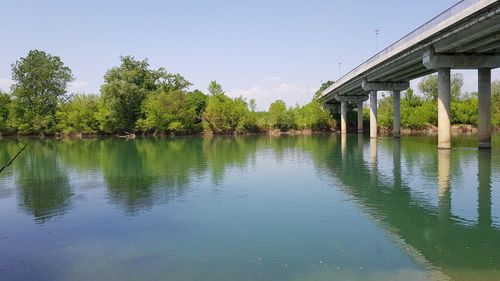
(136, 99)
(420, 112)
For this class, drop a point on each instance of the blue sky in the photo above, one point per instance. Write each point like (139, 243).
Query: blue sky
(259, 49)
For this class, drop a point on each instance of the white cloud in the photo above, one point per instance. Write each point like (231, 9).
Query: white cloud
(77, 86)
(5, 84)
(273, 78)
(287, 88)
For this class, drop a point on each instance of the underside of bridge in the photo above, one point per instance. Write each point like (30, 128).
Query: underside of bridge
(466, 36)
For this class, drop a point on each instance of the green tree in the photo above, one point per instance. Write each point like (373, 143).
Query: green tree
(5, 101)
(169, 112)
(197, 100)
(280, 117)
(313, 116)
(429, 86)
(495, 102)
(125, 89)
(40, 83)
(252, 105)
(224, 115)
(465, 111)
(215, 88)
(410, 98)
(78, 115)
(323, 87)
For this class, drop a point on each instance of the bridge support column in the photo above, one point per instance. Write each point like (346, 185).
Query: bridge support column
(344, 101)
(396, 119)
(375, 86)
(343, 117)
(443, 63)
(444, 125)
(484, 101)
(360, 117)
(373, 114)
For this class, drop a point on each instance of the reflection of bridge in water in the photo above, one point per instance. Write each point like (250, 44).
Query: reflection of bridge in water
(433, 236)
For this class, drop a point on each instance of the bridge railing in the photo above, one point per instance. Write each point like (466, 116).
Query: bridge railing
(416, 35)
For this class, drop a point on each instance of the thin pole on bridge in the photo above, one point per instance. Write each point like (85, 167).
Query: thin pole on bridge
(340, 73)
(376, 35)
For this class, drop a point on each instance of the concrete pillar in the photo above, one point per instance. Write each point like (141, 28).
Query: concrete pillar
(444, 127)
(444, 181)
(396, 119)
(484, 101)
(373, 114)
(343, 117)
(360, 117)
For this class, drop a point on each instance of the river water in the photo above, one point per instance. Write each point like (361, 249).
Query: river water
(320, 207)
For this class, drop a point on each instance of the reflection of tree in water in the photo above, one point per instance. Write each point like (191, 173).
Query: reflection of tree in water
(145, 172)
(42, 182)
(128, 180)
(81, 155)
(221, 153)
(8, 148)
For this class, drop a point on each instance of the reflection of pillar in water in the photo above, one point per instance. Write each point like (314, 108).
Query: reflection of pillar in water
(343, 144)
(360, 143)
(484, 190)
(396, 161)
(373, 155)
(444, 163)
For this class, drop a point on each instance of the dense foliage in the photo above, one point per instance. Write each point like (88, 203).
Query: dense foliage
(137, 99)
(40, 83)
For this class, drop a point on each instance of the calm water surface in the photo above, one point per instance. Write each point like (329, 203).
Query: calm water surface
(250, 208)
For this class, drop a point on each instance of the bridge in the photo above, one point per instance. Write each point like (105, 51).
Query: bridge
(466, 36)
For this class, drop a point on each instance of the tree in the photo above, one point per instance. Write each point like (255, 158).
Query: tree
(252, 105)
(410, 98)
(168, 82)
(224, 115)
(280, 117)
(125, 89)
(429, 86)
(495, 102)
(323, 87)
(313, 116)
(78, 115)
(40, 82)
(5, 101)
(169, 112)
(197, 100)
(215, 88)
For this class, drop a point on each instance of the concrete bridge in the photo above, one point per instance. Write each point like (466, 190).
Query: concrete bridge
(466, 36)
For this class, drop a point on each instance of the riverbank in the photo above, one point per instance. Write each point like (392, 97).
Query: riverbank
(431, 130)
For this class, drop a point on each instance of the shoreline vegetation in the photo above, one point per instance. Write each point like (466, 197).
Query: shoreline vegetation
(136, 100)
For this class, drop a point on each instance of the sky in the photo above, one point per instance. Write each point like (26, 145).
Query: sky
(259, 49)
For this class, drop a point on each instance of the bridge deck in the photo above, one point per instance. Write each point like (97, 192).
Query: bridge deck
(470, 26)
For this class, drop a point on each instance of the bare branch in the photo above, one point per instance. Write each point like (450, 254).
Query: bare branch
(7, 164)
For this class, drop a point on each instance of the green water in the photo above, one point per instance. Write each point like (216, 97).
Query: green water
(250, 208)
